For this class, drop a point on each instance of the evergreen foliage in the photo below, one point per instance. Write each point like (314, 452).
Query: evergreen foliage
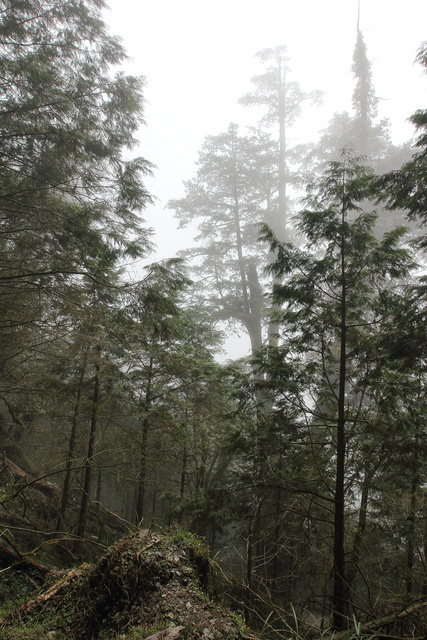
(335, 304)
(303, 465)
(69, 202)
(406, 187)
(235, 189)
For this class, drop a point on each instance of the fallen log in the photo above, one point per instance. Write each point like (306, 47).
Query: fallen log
(372, 626)
(28, 480)
(14, 558)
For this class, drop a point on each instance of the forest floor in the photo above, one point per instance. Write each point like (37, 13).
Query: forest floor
(148, 585)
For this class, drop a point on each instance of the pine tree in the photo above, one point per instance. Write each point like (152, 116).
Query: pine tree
(406, 188)
(70, 203)
(283, 99)
(365, 102)
(69, 200)
(234, 190)
(333, 309)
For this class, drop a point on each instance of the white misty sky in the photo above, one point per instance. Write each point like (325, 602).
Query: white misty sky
(198, 57)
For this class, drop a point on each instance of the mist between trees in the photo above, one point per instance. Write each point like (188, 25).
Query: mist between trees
(304, 464)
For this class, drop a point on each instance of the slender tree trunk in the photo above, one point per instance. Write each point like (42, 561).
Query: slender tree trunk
(143, 446)
(424, 585)
(256, 305)
(71, 446)
(154, 500)
(410, 548)
(277, 527)
(98, 491)
(360, 530)
(90, 451)
(251, 551)
(339, 582)
(142, 470)
(339, 587)
(249, 281)
(183, 471)
(410, 544)
(249, 556)
(361, 525)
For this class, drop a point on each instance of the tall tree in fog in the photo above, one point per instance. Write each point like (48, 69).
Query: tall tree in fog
(365, 102)
(369, 137)
(333, 309)
(361, 130)
(283, 99)
(234, 189)
(241, 182)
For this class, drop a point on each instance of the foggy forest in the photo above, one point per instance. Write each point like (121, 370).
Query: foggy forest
(294, 469)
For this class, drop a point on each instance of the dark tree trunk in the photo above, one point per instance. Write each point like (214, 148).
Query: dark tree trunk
(143, 445)
(361, 526)
(154, 501)
(71, 446)
(142, 470)
(277, 527)
(410, 544)
(339, 583)
(183, 471)
(81, 529)
(248, 281)
(424, 550)
(255, 304)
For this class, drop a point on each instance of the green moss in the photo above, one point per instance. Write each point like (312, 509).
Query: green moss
(32, 632)
(193, 542)
(239, 622)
